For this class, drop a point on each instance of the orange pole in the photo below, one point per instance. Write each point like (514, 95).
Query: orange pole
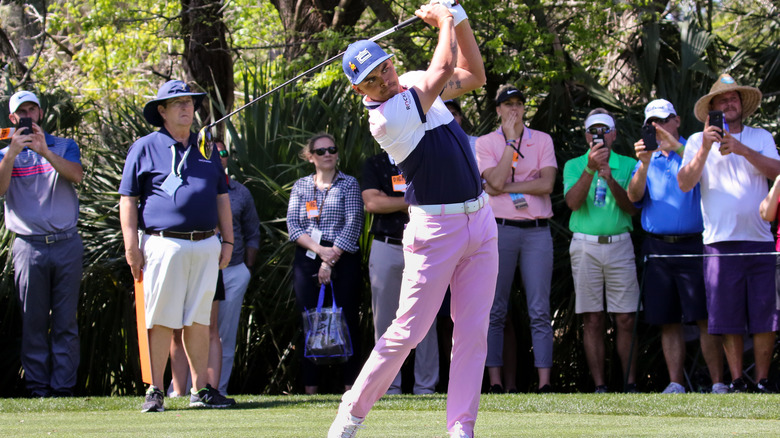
(143, 336)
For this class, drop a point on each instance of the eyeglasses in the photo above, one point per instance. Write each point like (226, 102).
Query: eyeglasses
(183, 102)
(223, 154)
(597, 131)
(333, 150)
(661, 121)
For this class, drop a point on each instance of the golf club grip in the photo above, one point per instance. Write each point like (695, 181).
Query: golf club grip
(398, 26)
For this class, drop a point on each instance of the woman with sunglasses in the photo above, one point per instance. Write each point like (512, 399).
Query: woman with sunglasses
(325, 219)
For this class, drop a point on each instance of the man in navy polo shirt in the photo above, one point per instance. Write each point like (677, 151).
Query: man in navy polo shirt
(37, 174)
(451, 235)
(176, 198)
(673, 287)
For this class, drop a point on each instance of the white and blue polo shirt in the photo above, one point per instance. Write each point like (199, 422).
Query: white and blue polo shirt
(431, 149)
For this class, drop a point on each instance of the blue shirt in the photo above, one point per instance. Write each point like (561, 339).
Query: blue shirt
(246, 224)
(39, 200)
(665, 208)
(193, 207)
(340, 210)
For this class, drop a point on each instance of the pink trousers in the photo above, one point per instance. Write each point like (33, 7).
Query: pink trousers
(459, 250)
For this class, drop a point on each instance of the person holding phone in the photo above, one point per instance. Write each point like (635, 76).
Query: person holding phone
(740, 289)
(38, 172)
(602, 254)
(674, 287)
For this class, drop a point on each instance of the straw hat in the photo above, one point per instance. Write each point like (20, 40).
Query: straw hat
(751, 97)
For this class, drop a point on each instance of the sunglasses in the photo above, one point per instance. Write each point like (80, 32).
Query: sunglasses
(661, 121)
(223, 154)
(597, 131)
(333, 150)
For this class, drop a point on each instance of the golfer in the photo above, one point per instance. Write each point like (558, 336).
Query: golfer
(451, 235)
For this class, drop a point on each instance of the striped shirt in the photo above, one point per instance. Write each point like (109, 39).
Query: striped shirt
(39, 200)
(339, 211)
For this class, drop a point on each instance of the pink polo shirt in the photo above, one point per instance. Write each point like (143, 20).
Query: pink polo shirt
(537, 148)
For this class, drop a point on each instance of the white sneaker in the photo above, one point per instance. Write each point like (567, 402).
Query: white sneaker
(720, 388)
(345, 425)
(457, 431)
(674, 388)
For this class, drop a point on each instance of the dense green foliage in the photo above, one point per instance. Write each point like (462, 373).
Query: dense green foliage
(567, 57)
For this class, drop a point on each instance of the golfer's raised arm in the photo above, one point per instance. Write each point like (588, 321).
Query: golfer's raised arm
(444, 57)
(469, 71)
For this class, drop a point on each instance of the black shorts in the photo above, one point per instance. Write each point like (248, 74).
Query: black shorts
(673, 290)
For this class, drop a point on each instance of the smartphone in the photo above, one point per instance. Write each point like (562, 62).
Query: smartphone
(716, 119)
(648, 135)
(25, 124)
(597, 139)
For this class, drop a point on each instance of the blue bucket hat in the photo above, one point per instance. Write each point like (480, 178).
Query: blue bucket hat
(169, 90)
(361, 58)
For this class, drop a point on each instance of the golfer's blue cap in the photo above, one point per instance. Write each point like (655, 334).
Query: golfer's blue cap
(361, 58)
(169, 90)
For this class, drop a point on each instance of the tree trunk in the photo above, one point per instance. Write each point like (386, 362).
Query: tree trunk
(207, 55)
(303, 18)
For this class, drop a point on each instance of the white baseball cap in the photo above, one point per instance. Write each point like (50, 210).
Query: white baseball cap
(660, 109)
(21, 97)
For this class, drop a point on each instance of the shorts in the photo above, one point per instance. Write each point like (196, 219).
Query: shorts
(741, 294)
(219, 294)
(594, 265)
(180, 278)
(673, 287)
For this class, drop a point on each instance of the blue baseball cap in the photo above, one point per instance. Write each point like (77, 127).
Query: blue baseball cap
(361, 58)
(169, 90)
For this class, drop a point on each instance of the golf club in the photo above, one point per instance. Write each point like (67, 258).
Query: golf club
(204, 136)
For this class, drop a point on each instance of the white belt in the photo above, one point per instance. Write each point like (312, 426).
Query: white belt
(601, 239)
(458, 208)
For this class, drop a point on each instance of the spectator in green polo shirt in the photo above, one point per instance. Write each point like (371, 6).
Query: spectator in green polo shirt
(602, 254)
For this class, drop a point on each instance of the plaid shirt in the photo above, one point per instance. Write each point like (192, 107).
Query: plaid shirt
(340, 209)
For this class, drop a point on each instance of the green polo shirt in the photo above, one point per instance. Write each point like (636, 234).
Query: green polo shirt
(599, 221)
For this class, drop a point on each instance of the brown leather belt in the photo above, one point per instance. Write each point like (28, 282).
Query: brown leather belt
(194, 235)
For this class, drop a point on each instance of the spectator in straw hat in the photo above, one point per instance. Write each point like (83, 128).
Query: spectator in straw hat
(740, 289)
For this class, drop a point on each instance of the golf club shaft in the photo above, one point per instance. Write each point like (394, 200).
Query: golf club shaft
(288, 82)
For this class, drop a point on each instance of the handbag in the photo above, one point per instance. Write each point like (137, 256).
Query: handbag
(327, 339)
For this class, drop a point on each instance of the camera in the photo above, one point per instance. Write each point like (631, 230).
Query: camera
(648, 136)
(25, 124)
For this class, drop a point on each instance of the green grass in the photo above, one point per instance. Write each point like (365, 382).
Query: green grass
(555, 415)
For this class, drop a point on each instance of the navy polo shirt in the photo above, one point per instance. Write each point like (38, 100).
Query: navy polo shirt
(193, 207)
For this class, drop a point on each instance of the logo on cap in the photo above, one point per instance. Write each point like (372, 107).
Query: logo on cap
(726, 79)
(353, 67)
(363, 56)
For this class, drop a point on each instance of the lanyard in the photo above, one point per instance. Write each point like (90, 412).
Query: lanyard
(322, 205)
(174, 169)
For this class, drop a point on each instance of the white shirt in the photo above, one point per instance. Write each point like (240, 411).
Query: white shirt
(732, 189)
